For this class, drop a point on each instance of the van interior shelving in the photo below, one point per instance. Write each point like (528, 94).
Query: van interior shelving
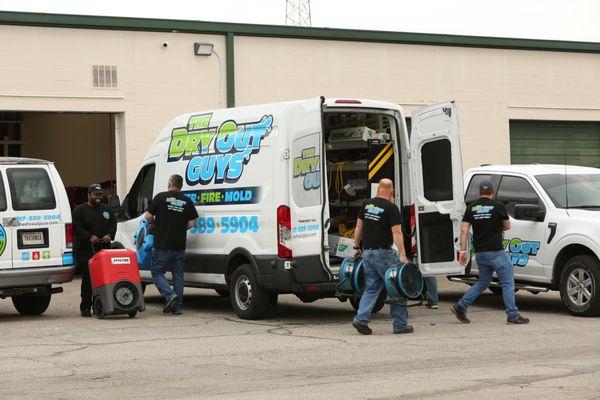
(357, 155)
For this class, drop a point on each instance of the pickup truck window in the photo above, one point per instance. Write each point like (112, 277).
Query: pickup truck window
(472, 193)
(515, 190)
(572, 191)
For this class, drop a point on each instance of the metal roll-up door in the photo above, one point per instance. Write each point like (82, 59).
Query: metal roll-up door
(555, 142)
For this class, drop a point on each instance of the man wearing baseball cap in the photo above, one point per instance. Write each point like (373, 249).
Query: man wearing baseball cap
(489, 219)
(94, 226)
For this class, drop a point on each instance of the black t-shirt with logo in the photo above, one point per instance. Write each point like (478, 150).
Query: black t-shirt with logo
(172, 211)
(486, 216)
(378, 216)
(91, 221)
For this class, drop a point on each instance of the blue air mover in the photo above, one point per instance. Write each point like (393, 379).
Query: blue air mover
(144, 243)
(351, 280)
(403, 280)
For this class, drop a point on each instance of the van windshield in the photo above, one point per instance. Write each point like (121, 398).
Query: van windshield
(574, 191)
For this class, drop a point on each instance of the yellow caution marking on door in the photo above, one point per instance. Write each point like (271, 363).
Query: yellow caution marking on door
(381, 163)
(381, 153)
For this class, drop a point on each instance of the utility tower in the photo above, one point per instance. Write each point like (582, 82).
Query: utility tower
(297, 12)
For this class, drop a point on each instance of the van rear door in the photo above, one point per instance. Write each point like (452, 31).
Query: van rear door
(308, 197)
(438, 186)
(5, 227)
(38, 236)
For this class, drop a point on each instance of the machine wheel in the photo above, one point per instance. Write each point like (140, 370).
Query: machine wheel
(248, 299)
(355, 301)
(580, 286)
(223, 292)
(30, 304)
(99, 308)
(132, 314)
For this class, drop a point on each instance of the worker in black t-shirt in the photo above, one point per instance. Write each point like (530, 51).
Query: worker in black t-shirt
(378, 228)
(489, 219)
(94, 226)
(172, 214)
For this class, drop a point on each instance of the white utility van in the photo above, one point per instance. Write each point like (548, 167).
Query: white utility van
(554, 236)
(36, 245)
(278, 188)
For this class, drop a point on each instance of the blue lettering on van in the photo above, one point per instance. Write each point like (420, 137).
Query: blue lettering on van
(216, 197)
(217, 154)
(225, 225)
(519, 250)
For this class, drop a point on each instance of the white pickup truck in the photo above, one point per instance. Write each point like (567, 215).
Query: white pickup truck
(554, 239)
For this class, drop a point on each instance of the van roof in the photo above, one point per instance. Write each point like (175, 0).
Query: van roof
(537, 169)
(21, 161)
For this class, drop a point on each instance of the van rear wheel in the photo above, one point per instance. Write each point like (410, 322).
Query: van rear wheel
(30, 304)
(248, 299)
(580, 286)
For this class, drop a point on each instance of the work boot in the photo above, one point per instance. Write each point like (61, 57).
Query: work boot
(517, 319)
(361, 328)
(170, 304)
(85, 311)
(406, 329)
(460, 313)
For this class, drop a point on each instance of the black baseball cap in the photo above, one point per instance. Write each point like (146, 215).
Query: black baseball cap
(486, 187)
(95, 188)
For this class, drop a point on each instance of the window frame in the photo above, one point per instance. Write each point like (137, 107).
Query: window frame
(139, 181)
(490, 177)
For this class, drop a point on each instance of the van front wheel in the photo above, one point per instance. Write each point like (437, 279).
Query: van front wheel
(29, 304)
(580, 286)
(248, 299)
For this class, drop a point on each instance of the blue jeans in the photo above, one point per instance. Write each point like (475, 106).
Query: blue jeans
(375, 264)
(432, 290)
(161, 260)
(487, 263)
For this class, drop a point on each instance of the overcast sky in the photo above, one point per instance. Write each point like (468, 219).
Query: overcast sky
(577, 20)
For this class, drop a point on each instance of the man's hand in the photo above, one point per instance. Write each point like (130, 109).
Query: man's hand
(463, 258)
(357, 254)
(106, 239)
(94, 239)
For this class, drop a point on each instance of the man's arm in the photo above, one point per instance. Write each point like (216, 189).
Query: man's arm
(399, 241)
(149, 217)
(112, 228)
(505, 224)
(464, 237)
(191, 223)
(358, 233)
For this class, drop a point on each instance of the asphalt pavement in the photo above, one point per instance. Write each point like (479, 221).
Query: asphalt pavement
(301, 351)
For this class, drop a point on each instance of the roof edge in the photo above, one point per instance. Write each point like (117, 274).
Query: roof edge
(223, 28)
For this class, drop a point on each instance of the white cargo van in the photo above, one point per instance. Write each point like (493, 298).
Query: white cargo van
(35, 233)
(278, 188)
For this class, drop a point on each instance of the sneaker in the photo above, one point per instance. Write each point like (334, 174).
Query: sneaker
(517, 319)
(432, 306)
(362, 329)
(170, 304)
(176, 312)
(460, 314)
(406, 329)
(85, 311)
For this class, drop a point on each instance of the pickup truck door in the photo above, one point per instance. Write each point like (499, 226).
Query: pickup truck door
(436, 168)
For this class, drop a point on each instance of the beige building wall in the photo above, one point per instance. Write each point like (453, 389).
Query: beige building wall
(50, 69)
(490, 86)
(79, 144)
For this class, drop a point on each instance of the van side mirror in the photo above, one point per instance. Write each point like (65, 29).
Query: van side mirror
(529, 212)
(114, 203)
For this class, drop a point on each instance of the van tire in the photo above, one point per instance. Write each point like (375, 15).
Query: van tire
(355, 301)
(579, 268)
(248, 299)
(31, 304)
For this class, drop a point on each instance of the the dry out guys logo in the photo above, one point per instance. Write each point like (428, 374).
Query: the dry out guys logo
(307, 166)
(520, 250)
(217, 154)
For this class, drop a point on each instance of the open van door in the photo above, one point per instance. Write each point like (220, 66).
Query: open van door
(438, 184)
(308, 197)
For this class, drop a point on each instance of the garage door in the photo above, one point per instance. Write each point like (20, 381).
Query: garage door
(555, 142)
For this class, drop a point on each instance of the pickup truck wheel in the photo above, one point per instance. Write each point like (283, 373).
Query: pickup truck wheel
(580, 286)
(29, 304)
(248, 299)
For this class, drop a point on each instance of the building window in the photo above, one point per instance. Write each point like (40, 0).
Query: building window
(104, 76)
(10, 134)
